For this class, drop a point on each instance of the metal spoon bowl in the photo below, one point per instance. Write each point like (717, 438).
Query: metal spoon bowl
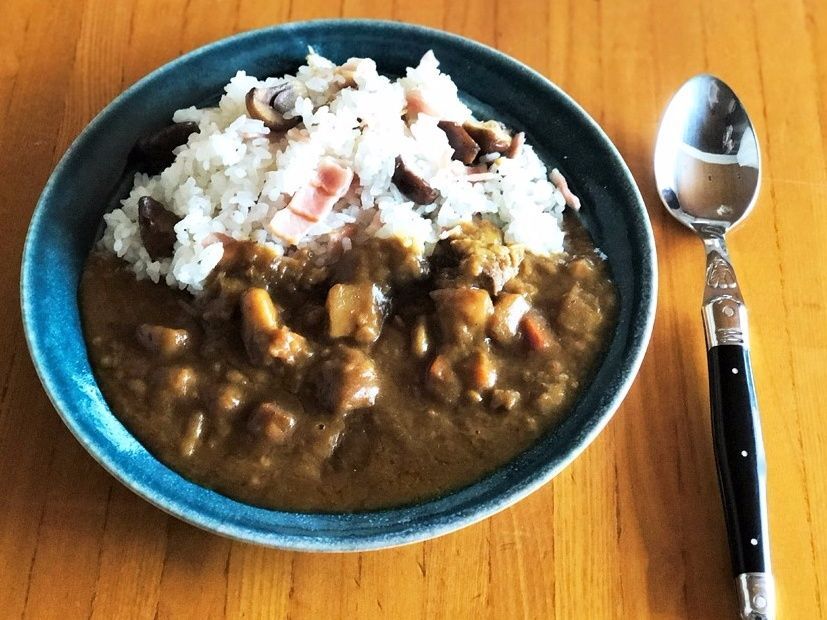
(707, 161)
(708, 171)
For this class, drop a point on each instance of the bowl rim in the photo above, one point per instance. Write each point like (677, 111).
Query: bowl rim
(436, 525)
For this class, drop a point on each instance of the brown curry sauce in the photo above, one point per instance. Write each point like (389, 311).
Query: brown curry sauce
(379, 381)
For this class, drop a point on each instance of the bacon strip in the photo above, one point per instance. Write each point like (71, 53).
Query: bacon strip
(312, 202)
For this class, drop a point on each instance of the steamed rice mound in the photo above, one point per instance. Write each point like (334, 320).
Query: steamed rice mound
(234, 175)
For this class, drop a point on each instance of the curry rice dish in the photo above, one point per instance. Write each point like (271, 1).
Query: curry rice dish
(341, 291)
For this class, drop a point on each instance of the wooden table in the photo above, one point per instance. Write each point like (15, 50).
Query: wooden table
(633, 529)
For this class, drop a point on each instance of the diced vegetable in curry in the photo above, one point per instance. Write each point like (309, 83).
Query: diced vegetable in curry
(378, 380)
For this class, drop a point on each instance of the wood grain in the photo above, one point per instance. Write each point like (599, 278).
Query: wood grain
(632, 529)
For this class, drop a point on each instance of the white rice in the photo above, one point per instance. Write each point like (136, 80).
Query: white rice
(230, 178)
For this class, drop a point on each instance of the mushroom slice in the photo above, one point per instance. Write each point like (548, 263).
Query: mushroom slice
(269, 105)
(465, 149)
(414, 187)
(155, 151)
(491, 136)
(157, 228)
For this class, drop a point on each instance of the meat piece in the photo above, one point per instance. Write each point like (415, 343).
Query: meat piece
(154, 152)
(355, 311)
(157, 228)
(227, 400)
(552, 398)
(509, 310)
(178, 381)
(442, 380)
(504, 400)
(416, 105)
(288, 226)
(166, 342)
(385, 262)
(259, 319)
(272, 422)
(420, 341)
(269, 105)
(491, 136)
(347, 380)
(480, 176)
(462, 312)
(478, 257)
(465, 149)
(580, 312)
(516, 145)
(413, 186)
(537, 332)
(315, 201)
(476, 169)
(479, 372)
(473, 397)
(289, 346)
(265, 336)
(248, 262)
(562, 185)
(312, 202)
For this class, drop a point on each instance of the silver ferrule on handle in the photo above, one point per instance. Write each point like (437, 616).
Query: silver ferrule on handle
(756, 596)
(724, 310)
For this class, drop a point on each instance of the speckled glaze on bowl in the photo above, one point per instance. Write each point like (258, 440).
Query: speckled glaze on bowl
(67, 216)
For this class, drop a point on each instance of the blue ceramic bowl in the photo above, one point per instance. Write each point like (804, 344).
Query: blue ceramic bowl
(66, 219)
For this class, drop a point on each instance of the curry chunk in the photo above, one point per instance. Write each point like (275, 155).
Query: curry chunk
(355, 311)
(537, 332)
(265, 336)
(463, 313)
(385, 262)
(480, 371)
(347, 380)
(477, 256)
(176, 381)
(288, 346)
(509, 310)
(259, 319)
(226, 400)
(442, 380)
(580, 311)
(166, 342)
(552, 398)
(272, 422)
(504, 400)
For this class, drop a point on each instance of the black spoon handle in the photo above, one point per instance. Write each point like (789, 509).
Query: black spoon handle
(739, 454)
(736, 433)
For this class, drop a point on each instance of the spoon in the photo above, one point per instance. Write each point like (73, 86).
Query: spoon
(708, 171)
